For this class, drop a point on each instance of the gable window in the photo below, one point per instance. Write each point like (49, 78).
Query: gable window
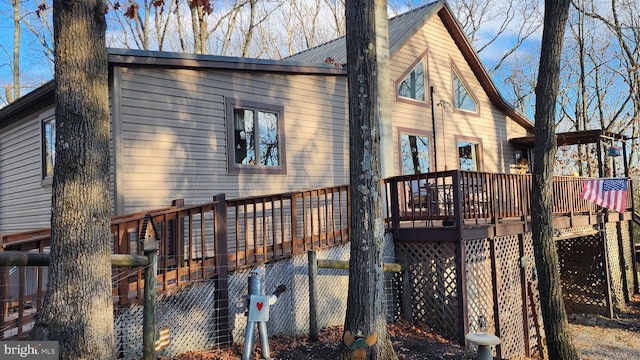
(415, 153)
(413, 85)
(48, 147)
(462, 99)
(469, 154)
(256, 137)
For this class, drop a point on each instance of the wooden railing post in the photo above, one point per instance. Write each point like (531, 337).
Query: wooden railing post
(494, 198)
(177, 235)
(395, 208)
(295, 242)
(458, 209)
(222, 267)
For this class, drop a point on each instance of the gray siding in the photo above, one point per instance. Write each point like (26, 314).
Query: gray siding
(24, 202)
(173, 134)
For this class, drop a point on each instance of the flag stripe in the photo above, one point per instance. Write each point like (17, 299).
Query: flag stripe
(608, 193)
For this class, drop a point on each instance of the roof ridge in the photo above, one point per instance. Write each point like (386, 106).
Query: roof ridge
(391, 19)
(315, 47)
(421, 7)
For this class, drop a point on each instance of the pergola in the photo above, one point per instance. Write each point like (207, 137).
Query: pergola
(583, 137)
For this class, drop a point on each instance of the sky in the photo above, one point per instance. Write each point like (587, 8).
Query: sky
(37, 69)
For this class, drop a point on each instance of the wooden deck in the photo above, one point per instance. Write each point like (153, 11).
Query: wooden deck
(462, 205)
(209, 240)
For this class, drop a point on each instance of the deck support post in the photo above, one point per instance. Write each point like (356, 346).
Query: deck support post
(222, 266)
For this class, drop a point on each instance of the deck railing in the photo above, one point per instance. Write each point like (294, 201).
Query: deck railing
(194, 242)
(437, 199)
(199, 241)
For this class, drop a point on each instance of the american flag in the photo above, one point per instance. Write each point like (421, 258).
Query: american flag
(608, 193)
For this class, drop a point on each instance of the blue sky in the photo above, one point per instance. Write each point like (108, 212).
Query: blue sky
(37, 69)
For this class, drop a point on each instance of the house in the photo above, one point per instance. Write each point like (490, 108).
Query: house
(190, 126)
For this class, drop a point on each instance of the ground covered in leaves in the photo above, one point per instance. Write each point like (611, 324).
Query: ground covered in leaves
(409, 342)
(595, 337)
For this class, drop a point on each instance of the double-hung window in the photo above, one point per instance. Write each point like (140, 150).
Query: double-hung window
(255, 137)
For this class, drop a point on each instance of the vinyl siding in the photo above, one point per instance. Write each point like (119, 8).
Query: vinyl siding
(24, 202)
(491, 124)
(173, 134)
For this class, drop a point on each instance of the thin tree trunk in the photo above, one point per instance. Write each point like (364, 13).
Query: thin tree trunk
(78, 310)
(252, 24)
(559, 342)
(15, 69)
(367, 80)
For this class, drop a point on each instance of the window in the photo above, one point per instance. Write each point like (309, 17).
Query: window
(415, 153)
(462, 99)
(256, 138)
(48, 147)
(469, 155)
(413, 85)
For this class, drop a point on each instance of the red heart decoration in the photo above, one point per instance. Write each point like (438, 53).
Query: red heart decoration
(259, 306)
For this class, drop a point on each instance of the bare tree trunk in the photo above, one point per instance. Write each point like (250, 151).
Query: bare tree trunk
(78, 310)
(196, 28)
(368, 89)
(560, 345)
(15, 69)
(252, 25)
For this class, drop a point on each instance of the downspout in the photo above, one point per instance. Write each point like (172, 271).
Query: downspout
(433, 120)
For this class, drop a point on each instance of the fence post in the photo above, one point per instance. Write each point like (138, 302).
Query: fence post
(4, 290)
(150, 278)
(222, 269)
(313, 296)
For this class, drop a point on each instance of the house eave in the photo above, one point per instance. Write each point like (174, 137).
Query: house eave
(478, 69)
(196, 61)
(37, 99)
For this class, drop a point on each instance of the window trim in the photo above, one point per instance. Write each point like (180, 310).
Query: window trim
(232, 167)
(425, 70)
(456, 72)
(45, 180)
(480, 151)
(417, 132)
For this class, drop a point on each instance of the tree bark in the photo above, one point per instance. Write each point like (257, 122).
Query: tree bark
(78, 310)
(559, 342)
(368, 92)
(15, 68)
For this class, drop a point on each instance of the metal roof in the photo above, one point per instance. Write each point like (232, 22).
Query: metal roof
(401, 28)
(185, 60)
(311, 61)
(572, 138)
